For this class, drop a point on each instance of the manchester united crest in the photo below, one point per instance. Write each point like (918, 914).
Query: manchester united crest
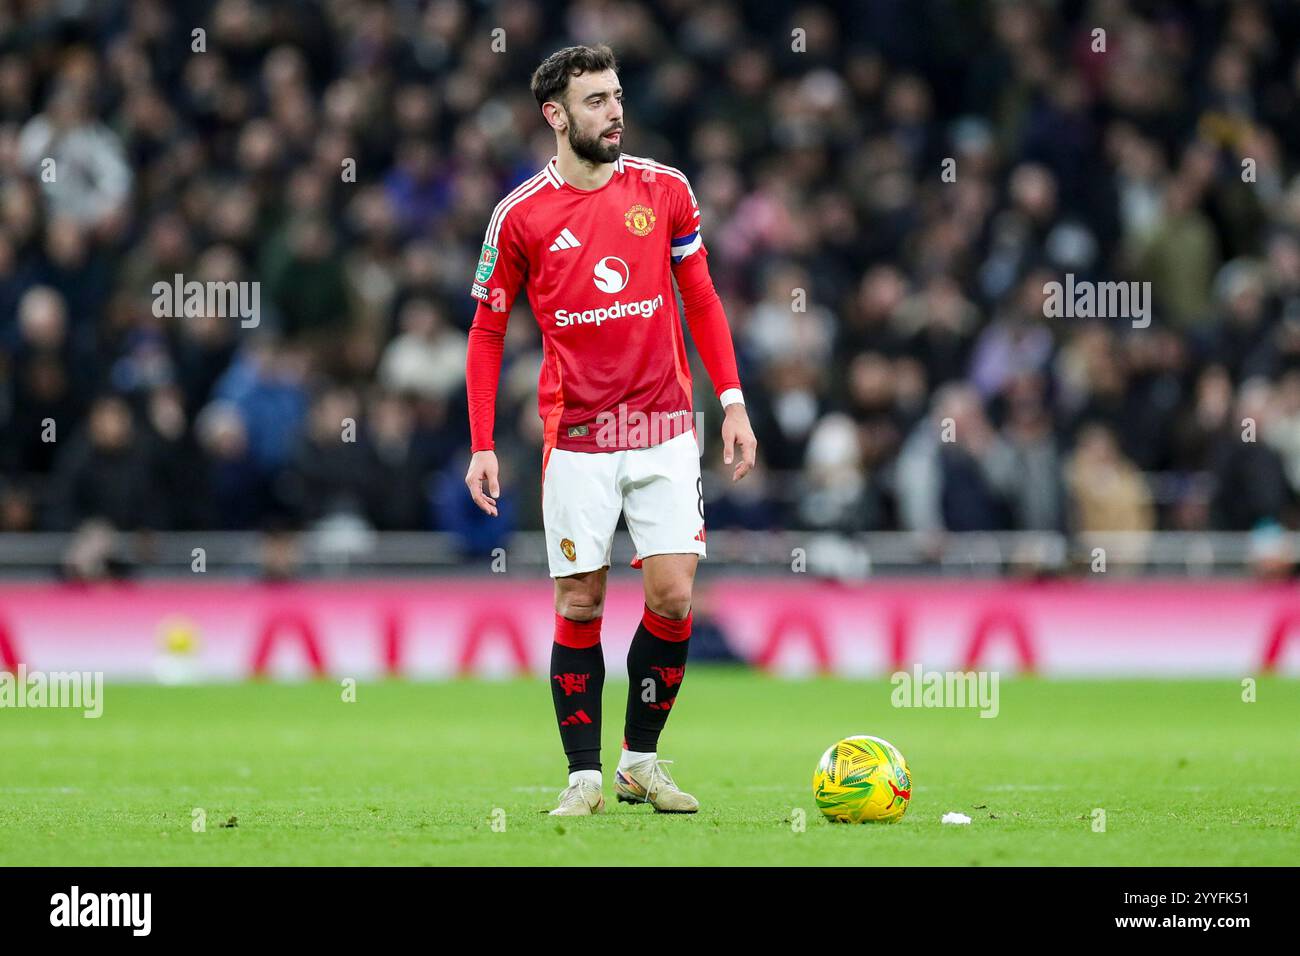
(640, 220)
(567, 547)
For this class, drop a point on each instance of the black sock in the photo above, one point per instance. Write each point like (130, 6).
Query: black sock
(656, 664)
(577, 679)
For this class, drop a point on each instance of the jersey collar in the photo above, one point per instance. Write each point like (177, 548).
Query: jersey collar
(552, 171)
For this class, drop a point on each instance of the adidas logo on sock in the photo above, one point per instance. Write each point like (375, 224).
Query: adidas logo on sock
(565, 240)
(579, 718)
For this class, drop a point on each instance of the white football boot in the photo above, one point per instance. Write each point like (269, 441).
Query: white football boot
(582, 799)
(651, 783)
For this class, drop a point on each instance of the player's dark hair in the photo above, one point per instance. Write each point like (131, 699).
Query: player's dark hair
(551, 79)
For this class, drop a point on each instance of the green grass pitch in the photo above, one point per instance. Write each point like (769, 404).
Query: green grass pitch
(1186, 772)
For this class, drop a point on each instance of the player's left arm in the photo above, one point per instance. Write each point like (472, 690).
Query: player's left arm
(712, 336)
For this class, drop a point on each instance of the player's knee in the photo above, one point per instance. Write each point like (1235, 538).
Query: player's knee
(580, 609)
(671, 599)
(581, 604)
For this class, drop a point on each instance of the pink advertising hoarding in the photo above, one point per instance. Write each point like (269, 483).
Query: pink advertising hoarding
(444, 628)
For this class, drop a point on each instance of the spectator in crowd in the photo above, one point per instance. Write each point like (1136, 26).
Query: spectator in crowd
(1250, 475)
(398, 496)
(1107, 491)
(328, 473)
(1037, 495)
(232, 481)
(44, 395)
(428, 357)
(79, 161)
(108, 472)
(955, 472)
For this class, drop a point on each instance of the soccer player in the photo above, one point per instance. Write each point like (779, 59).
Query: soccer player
(597, 238)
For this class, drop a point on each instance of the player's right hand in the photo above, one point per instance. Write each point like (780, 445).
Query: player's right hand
(483, 467)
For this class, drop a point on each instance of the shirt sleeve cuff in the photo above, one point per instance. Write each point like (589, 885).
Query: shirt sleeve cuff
(731, 396)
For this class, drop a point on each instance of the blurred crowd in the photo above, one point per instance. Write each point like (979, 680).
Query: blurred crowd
(886, 190)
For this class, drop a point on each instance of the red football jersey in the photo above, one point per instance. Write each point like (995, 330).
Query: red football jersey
(598, 268)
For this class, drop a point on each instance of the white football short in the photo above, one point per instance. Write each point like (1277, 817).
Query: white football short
(657, 489)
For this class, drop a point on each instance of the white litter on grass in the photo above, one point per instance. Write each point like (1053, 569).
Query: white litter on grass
(955, 818)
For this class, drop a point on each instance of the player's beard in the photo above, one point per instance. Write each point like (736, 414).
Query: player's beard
(593, 149)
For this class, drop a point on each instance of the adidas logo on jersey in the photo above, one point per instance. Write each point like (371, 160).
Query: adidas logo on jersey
(565, 240)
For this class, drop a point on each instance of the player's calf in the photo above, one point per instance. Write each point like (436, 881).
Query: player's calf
(656, 666)
(577, 680)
